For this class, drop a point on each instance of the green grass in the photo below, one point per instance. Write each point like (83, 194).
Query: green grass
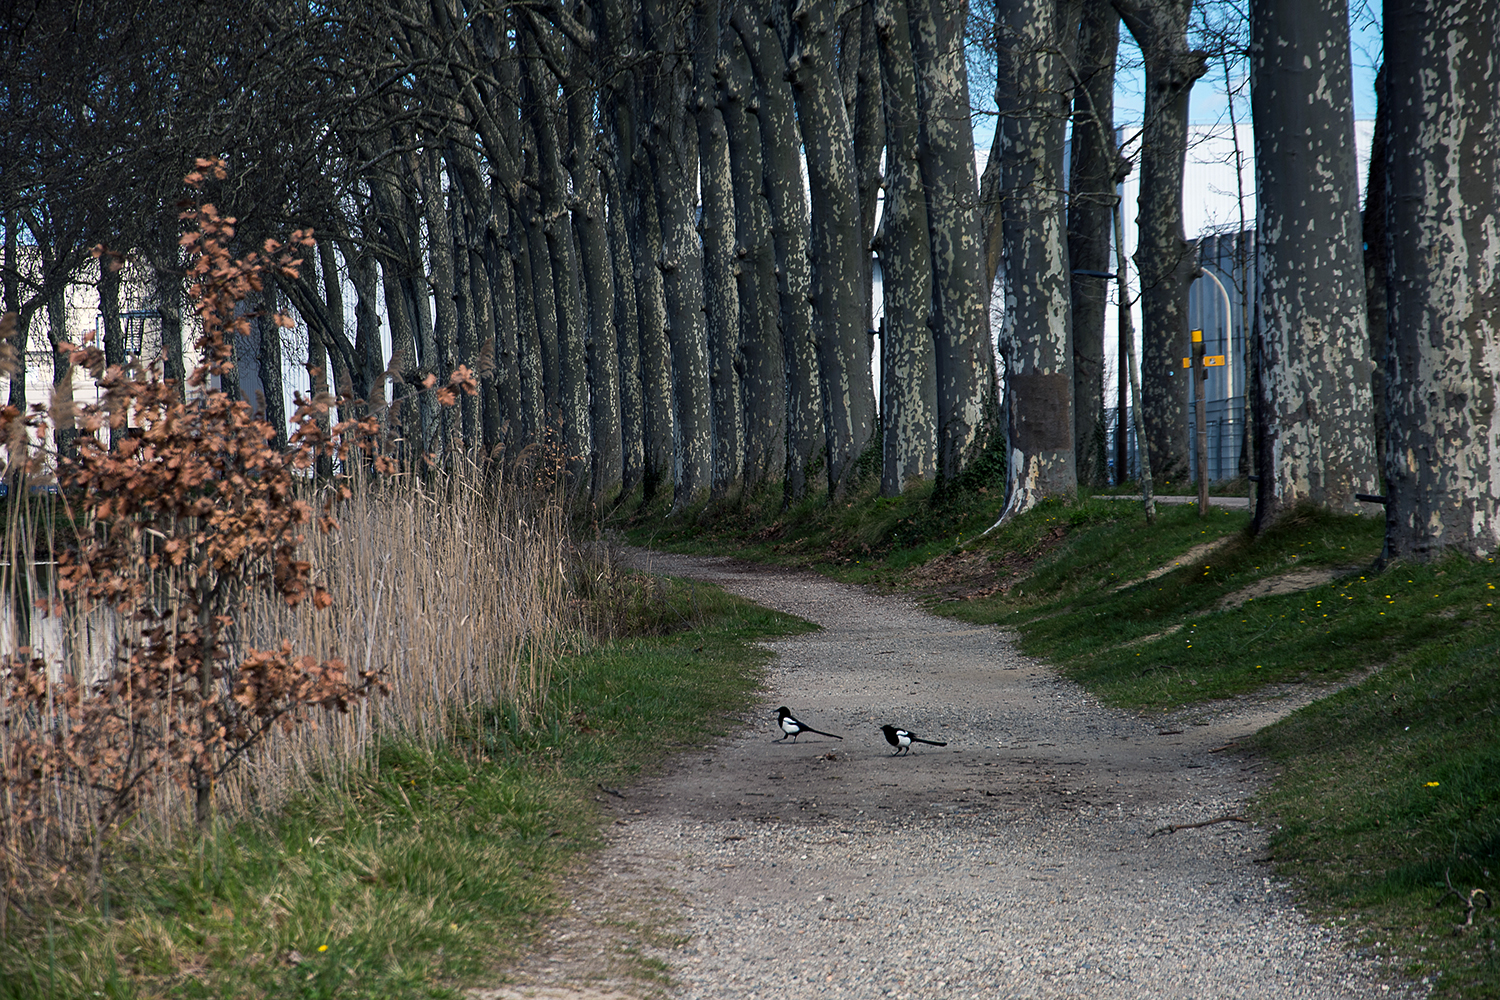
(417, 875)
(1389, 792)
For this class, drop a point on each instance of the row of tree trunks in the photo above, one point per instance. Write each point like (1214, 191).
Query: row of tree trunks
(791, 241)
(762, 350)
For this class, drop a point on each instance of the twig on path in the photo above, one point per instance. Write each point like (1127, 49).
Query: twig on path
(611, 791)
(1231, 743)
(1467, 901)
(1174, 827)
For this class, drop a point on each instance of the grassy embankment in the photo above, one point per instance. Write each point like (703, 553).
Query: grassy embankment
(1386, 792)
(398, 854)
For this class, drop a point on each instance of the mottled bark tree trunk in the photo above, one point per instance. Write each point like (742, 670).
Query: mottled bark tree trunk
(438, 350)
(470, 303)
(368, 377)
(483, 215)
(673, 151)
(761, 352)
(1163, 257)
(1036, 332)
(645, 358)
(806, 456)
(394, 261)
(1444, 185)
(964, 360)
(1315, 368)
(538, 265)
(838, 315)
(531, 359)
(716, 224)
(627, 338)
(591, 229)
(1091, 201)
(557, 229)
(908, 379)
(869, 142)
(1376, 251)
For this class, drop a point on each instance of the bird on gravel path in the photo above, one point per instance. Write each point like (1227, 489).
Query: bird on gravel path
(902, 740)
(791, 727)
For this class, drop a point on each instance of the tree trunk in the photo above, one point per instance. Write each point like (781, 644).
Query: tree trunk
(167, 295)
(716, 223)
(659, 420)
(438, 349)
(673, 151)
(531, 359)
(1315, 376)
(64, 428)
(398, 311)
(1444, 185)
(1036, 331)
(908, 379)
(1163, 257)
(1090, 211)
(964, 359)
(556, 224)
(806, 454)
(1376, 252)
(109, 314)
(542, 288)
(589, 227)
(843, 349)
(761, 348)
(109, 310)
(480, 351)
(869, 144)
(368, 371)
(627, 339)
(268, 367)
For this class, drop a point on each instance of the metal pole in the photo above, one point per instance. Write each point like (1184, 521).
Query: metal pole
(1200, 383)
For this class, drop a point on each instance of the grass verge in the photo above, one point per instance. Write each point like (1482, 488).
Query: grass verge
(1387, 791)
(424, 871)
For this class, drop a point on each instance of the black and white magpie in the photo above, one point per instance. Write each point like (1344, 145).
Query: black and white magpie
(791, 727)
(902, 740)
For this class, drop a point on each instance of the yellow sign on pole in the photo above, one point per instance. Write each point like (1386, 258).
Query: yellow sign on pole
(1209, 361)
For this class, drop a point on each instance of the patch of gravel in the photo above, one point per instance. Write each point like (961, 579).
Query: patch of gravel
(1026, 858)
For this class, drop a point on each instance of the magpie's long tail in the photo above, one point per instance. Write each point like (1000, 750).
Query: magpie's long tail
(820, 732)
(931, 743)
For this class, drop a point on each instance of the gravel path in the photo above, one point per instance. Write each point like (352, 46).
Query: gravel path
(1021, 860)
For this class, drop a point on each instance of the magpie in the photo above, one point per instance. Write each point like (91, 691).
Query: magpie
(902, 740)
(791, 727)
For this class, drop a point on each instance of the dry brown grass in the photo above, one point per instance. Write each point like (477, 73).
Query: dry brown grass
(453, 586)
